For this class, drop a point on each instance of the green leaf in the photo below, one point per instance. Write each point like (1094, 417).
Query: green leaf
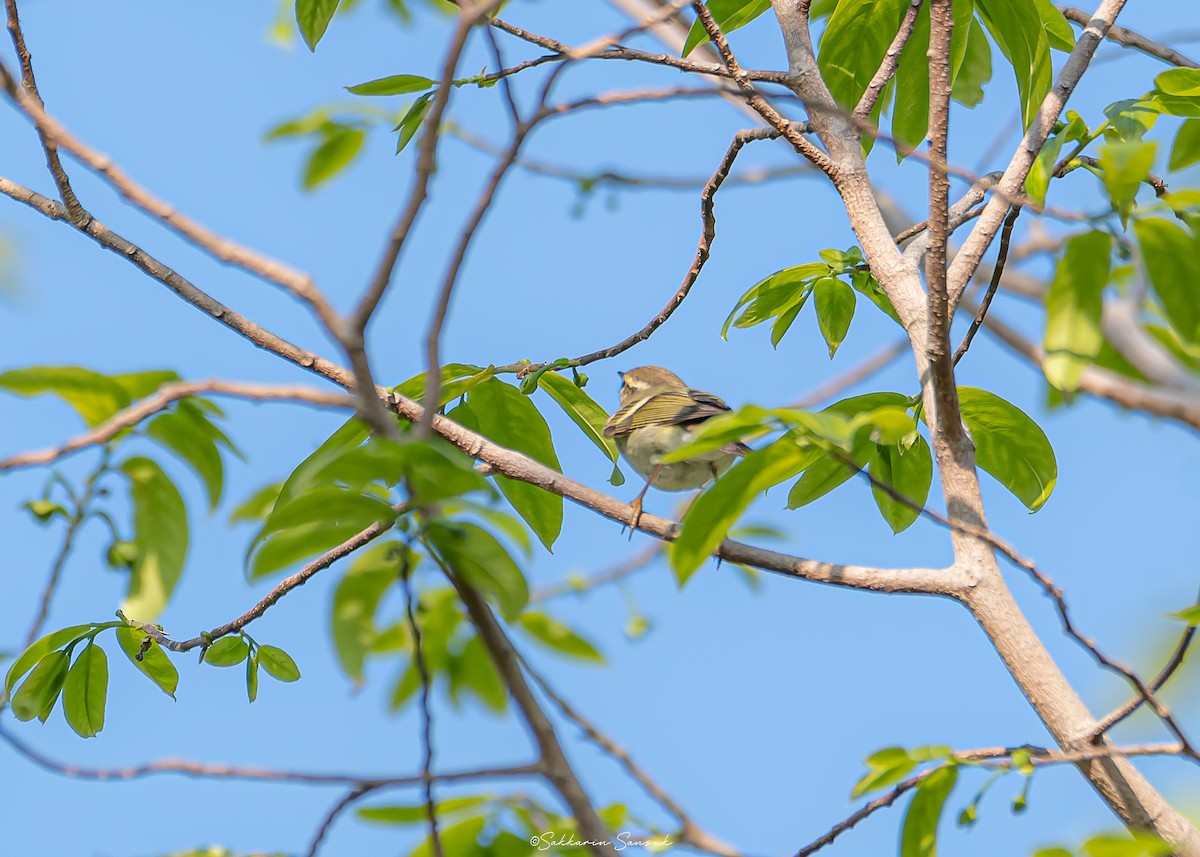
(160, 527)
(94, 397)
(854, 43)
(919, 835)
(474, 553)
(715, 511)
(252, 676)
(396, 84)
(38, 650)
(1137, 843)
(781, 294)
(1191, 615)
(1172, 262)
(355, 602)
(416, 813)
(257, 506)
(155, 664)
(910, 472)
(1009, 446)
(865, 284)
(1124, 166)
(457, 378)
(835, 302)
(46, 510)
(1185, 151)
(314, 16)
(278, 664)
(85, 691)
(184, 433)
(729, 15)
(289, 547)
(1037, 182)
(1074, 303)
(502, 414)
(227, 652)
(473, 670)
(557, 636)
(884, 768)
(1017, 28)
(332, 156)
(1130, 119)
(910, 114)
(37, 695)
(332, 505)
(1179, 81)
(585, 413)
(410, 123)
(976, 68)
(1058, 30)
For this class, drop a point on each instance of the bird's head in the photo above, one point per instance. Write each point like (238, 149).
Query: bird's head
(637, 382)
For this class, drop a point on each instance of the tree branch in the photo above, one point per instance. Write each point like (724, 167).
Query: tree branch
(1128, 38)
(891, 61)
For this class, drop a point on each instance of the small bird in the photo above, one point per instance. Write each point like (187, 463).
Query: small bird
(657, 415)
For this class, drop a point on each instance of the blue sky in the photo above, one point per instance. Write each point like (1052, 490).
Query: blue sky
(753, 709)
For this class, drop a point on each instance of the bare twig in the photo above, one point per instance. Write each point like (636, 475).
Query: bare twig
(161, 400)
(881, 358)
(1018, 168)
(993, 284)
(224, 249)
(418, 655)
(29, 84)
(617, 573)
(1174, 662)
(348, 800)
(891, 61)
(693, 833)
(78, 515)
(205, 770)
(1128, 38)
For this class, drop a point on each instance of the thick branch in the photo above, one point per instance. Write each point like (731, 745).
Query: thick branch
(1128, 38)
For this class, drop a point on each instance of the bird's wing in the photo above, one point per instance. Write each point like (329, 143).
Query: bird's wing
(668, 407)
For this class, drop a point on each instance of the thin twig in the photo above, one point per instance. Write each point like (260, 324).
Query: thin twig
(608, 576)
(1174, 662)
(855, 375)
(337, 809)
(891, 61)
(29, 84)
(1128, 38)
(76, 519)
(161, 400)
(993, 284)
(692, 832)
(426, 717)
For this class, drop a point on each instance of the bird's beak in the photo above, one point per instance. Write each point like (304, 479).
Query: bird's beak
(620, 374)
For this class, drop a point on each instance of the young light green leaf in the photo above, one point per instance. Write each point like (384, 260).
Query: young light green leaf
(855, 41)
(161, 534)
(1138, 843)
(314, 16)
(154, 663)
(410, 123)
(584, 412)
(774, 296)
(258, 505)
(557, 636)
(181, 433)
(716, 510)
(1185, 151)
(1179, 81)
(1191, 615)
(38, 650)
(37, 694)
(332, 156)
(355, 602)
(919, 835)
(1010, 446)
(976, 67)
(729, 15)
(501, 413)
(417, 813)
(884, 768)
(482, 561)
(1037, 182)
(457, 378)
(472, 669)
(1074, 303)
(909, 472)
(85, 692)
(278, 664)
(252, 676)
(835, 302)
(1016, 26)
(94, 397)
(1124, 166)
(396, 84)
(1172, 260)
(227, 652)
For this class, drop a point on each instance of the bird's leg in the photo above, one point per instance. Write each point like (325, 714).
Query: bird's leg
(637, 501)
